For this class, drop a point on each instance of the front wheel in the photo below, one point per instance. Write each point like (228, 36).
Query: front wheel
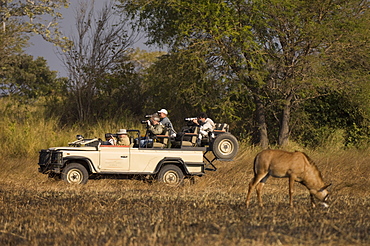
(225, 146)
(75, 173)
(171, 175)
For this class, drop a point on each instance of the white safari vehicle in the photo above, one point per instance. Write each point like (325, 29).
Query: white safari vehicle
(94, 158)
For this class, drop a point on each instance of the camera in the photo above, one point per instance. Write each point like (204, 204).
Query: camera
(190, 119)
(108, 135)
(148, 116)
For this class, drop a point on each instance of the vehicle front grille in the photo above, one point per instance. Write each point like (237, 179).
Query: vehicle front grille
(48, 159)
(45, 156)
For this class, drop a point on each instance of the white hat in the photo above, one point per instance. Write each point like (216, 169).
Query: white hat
(163, 111)
(122, 131)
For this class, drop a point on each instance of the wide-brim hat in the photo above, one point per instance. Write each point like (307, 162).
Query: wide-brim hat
(163, 111)
(122, 131)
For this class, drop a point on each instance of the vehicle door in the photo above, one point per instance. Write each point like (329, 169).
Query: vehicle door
(114, 158)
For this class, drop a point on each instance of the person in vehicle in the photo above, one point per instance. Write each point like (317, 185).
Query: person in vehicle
(205, 124)
(154, 127)
(110, 140)
(122, 138)
(166, 121)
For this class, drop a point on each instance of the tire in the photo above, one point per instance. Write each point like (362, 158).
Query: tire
(171, 175)
(225, 146)
(75, 173)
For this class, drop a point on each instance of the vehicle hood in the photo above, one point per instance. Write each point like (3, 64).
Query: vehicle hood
(73, 148)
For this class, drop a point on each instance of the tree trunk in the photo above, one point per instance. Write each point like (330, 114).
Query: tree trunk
(284, 131)
(263, 140)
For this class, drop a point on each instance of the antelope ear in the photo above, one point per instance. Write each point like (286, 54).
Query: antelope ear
(323, 188)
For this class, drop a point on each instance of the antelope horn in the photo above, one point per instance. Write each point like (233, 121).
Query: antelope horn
(323, 188)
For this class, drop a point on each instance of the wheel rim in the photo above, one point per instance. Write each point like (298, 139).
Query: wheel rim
(171, 177)
(226, 147)
(74, 176)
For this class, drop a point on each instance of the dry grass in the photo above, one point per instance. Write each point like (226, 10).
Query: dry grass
(38, 211)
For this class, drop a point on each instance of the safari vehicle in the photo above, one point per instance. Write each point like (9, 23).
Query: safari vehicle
(168, 160)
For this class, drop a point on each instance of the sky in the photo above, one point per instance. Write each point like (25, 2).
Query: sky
(40, 47)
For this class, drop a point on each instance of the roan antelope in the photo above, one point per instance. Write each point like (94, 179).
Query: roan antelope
(296, 166)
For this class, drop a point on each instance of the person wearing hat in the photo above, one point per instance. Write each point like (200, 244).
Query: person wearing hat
(166, 121)
(122, 138)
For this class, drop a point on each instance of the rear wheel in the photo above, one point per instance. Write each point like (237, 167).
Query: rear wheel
(75, 173)
(225, 146)
(171, 175)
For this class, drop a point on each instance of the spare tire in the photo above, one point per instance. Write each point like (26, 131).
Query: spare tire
(225, 146)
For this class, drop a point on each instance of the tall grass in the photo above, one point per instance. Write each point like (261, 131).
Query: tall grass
(24, 130)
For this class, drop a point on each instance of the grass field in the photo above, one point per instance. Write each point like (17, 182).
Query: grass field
(36, 210)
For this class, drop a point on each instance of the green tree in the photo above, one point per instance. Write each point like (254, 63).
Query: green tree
(127, 87)
(299, 37)
(27, 78)
(275, 49)
(188, 97)
(219, 32)
(19, 20)
(11, 43)
(186, 85)
(344, 65)
(24, 18)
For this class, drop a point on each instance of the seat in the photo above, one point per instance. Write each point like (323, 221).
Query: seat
(221, 128)
(162, 141)
(190, 139)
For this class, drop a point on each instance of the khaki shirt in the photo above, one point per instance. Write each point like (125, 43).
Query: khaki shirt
(123, 140)
(156, 129)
